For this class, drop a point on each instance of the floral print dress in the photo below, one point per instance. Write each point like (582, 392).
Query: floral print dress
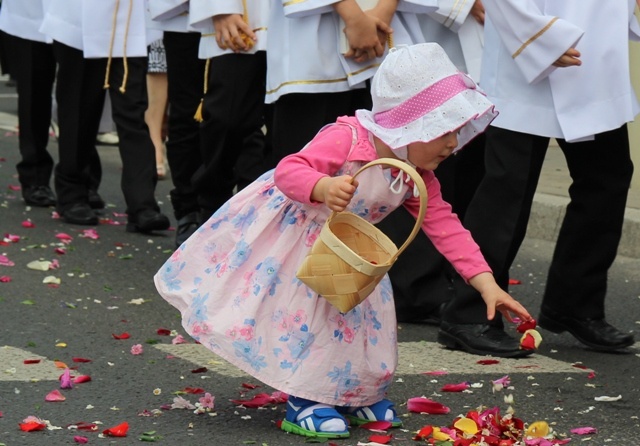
(234, 282)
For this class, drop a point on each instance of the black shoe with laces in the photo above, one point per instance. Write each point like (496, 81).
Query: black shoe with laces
(480, 339)
(41, 196)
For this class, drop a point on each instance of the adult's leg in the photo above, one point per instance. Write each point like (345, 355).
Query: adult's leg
(34, 68)
(139, 176)
(185, 74)
(497, 218)
(587, 244)
(80, 99)
(233, 113)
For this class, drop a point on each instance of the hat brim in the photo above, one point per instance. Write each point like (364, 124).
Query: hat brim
(469, 111)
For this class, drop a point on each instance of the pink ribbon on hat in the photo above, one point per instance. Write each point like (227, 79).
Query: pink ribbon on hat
(424, 102)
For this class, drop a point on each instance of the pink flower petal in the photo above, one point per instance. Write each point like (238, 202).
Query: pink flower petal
(65, 380)
(54, 396)
(584, 430)
(81, 440)
(4, 261)
(28, 224)
(425, 405)
(64, 238)
(81, 379)
(5, 279)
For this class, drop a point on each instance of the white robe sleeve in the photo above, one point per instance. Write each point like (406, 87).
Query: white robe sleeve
(534, 40)
(452, 13)
(167, 9)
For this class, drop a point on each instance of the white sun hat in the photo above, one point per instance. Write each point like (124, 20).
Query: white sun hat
(419, 95)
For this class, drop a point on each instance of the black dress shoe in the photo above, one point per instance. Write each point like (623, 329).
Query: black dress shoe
(148, 221)
(480, 339)
(594, 333)
(79, 214)
(187, 225)
(95, 200)
(41, 196)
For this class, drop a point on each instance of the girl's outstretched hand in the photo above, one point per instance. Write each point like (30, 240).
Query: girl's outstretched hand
(335, 192)
(497, 299)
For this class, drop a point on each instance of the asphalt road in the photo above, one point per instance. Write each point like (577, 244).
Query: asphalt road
(106, 290)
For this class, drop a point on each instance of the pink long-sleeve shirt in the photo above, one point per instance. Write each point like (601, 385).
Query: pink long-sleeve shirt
(297, 174)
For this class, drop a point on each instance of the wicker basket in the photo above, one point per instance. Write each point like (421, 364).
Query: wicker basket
(351, 256)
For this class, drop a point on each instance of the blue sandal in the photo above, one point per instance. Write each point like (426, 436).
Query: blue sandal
(305, 417)
(358, 416)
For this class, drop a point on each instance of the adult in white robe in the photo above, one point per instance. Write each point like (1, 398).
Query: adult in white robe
(309, 80)
(554, 70)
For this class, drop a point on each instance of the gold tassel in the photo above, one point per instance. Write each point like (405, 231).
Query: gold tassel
(198, 116)
(113, 35)
(124, 52)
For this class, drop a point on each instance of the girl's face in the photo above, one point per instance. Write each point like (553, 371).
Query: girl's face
(428, 155)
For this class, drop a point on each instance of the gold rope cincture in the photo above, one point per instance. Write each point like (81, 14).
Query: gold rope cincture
(124, 54)
(198, 116)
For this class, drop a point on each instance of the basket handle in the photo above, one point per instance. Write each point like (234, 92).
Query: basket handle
(418, 181)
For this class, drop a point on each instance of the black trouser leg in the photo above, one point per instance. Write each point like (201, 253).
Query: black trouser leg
(498, 214)
(34, 68)
(590, 233)
(233, 112)
(137, 152)
(80, 99)
(185, 73)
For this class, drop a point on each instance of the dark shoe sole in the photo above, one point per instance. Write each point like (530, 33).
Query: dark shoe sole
(557, 327)
(87, 222)
(40, 204)
(453, 343)
(155, 225)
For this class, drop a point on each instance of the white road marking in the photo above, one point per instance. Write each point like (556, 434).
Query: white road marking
(13, 368)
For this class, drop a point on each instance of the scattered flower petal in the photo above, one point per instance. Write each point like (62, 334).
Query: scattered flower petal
(538, 429)
(5, 279)
(65, 380)
(137, 349)
(608, 398)
(530, 340)
(584, 430)
(81, 440)
(527, 325)
(81, 379)
(55, 396)
(117, 431)
(28, 224)
(455, 387)
(425, 405)
(488, 361)
(124, 335)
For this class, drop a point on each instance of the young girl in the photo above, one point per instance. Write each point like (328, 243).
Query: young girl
(234, 280)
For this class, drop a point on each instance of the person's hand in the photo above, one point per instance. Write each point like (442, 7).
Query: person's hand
(335, 192)
(367, 37)
(497, 299)
(570, 58)
(477, 11)
(233, 33)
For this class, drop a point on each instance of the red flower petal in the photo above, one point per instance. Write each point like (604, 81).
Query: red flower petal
(81, 379)
(455, 387)
(32, 426)
(28, 224)
(514, 282)
(76, 359)
(250, 386)
(199, 370)
(117, 431)
(381, 439)
(163, 332)
(5, 279)
(31, 361)
(527, 325)
(260, 400)
(488, 361)
(424, 433)
(193, 390)
(54, 396)
(124, 335)
(425, 405)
